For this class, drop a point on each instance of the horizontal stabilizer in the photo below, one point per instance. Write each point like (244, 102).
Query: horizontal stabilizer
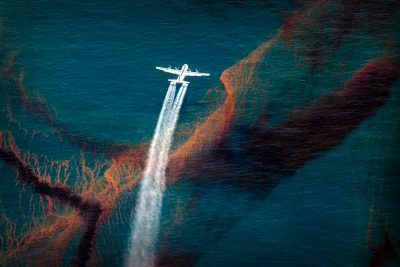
(176, 81)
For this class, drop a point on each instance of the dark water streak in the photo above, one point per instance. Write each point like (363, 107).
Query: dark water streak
(89, 210)
(40, 109)
(269, 155)
(383, 252)
(323, 125)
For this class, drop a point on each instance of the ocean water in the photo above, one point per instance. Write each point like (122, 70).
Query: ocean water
(287, 158)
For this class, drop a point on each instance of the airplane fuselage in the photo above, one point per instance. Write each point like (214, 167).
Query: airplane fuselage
(182, 73)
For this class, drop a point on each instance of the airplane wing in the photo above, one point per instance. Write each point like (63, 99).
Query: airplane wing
(174, 71)
(195, 73)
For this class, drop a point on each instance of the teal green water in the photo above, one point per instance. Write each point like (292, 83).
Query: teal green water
(93, 64)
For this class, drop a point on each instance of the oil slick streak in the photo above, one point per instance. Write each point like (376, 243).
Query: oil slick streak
(146, 222)
(90, 209)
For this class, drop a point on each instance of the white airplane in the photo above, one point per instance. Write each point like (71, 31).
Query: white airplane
(182, 73)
